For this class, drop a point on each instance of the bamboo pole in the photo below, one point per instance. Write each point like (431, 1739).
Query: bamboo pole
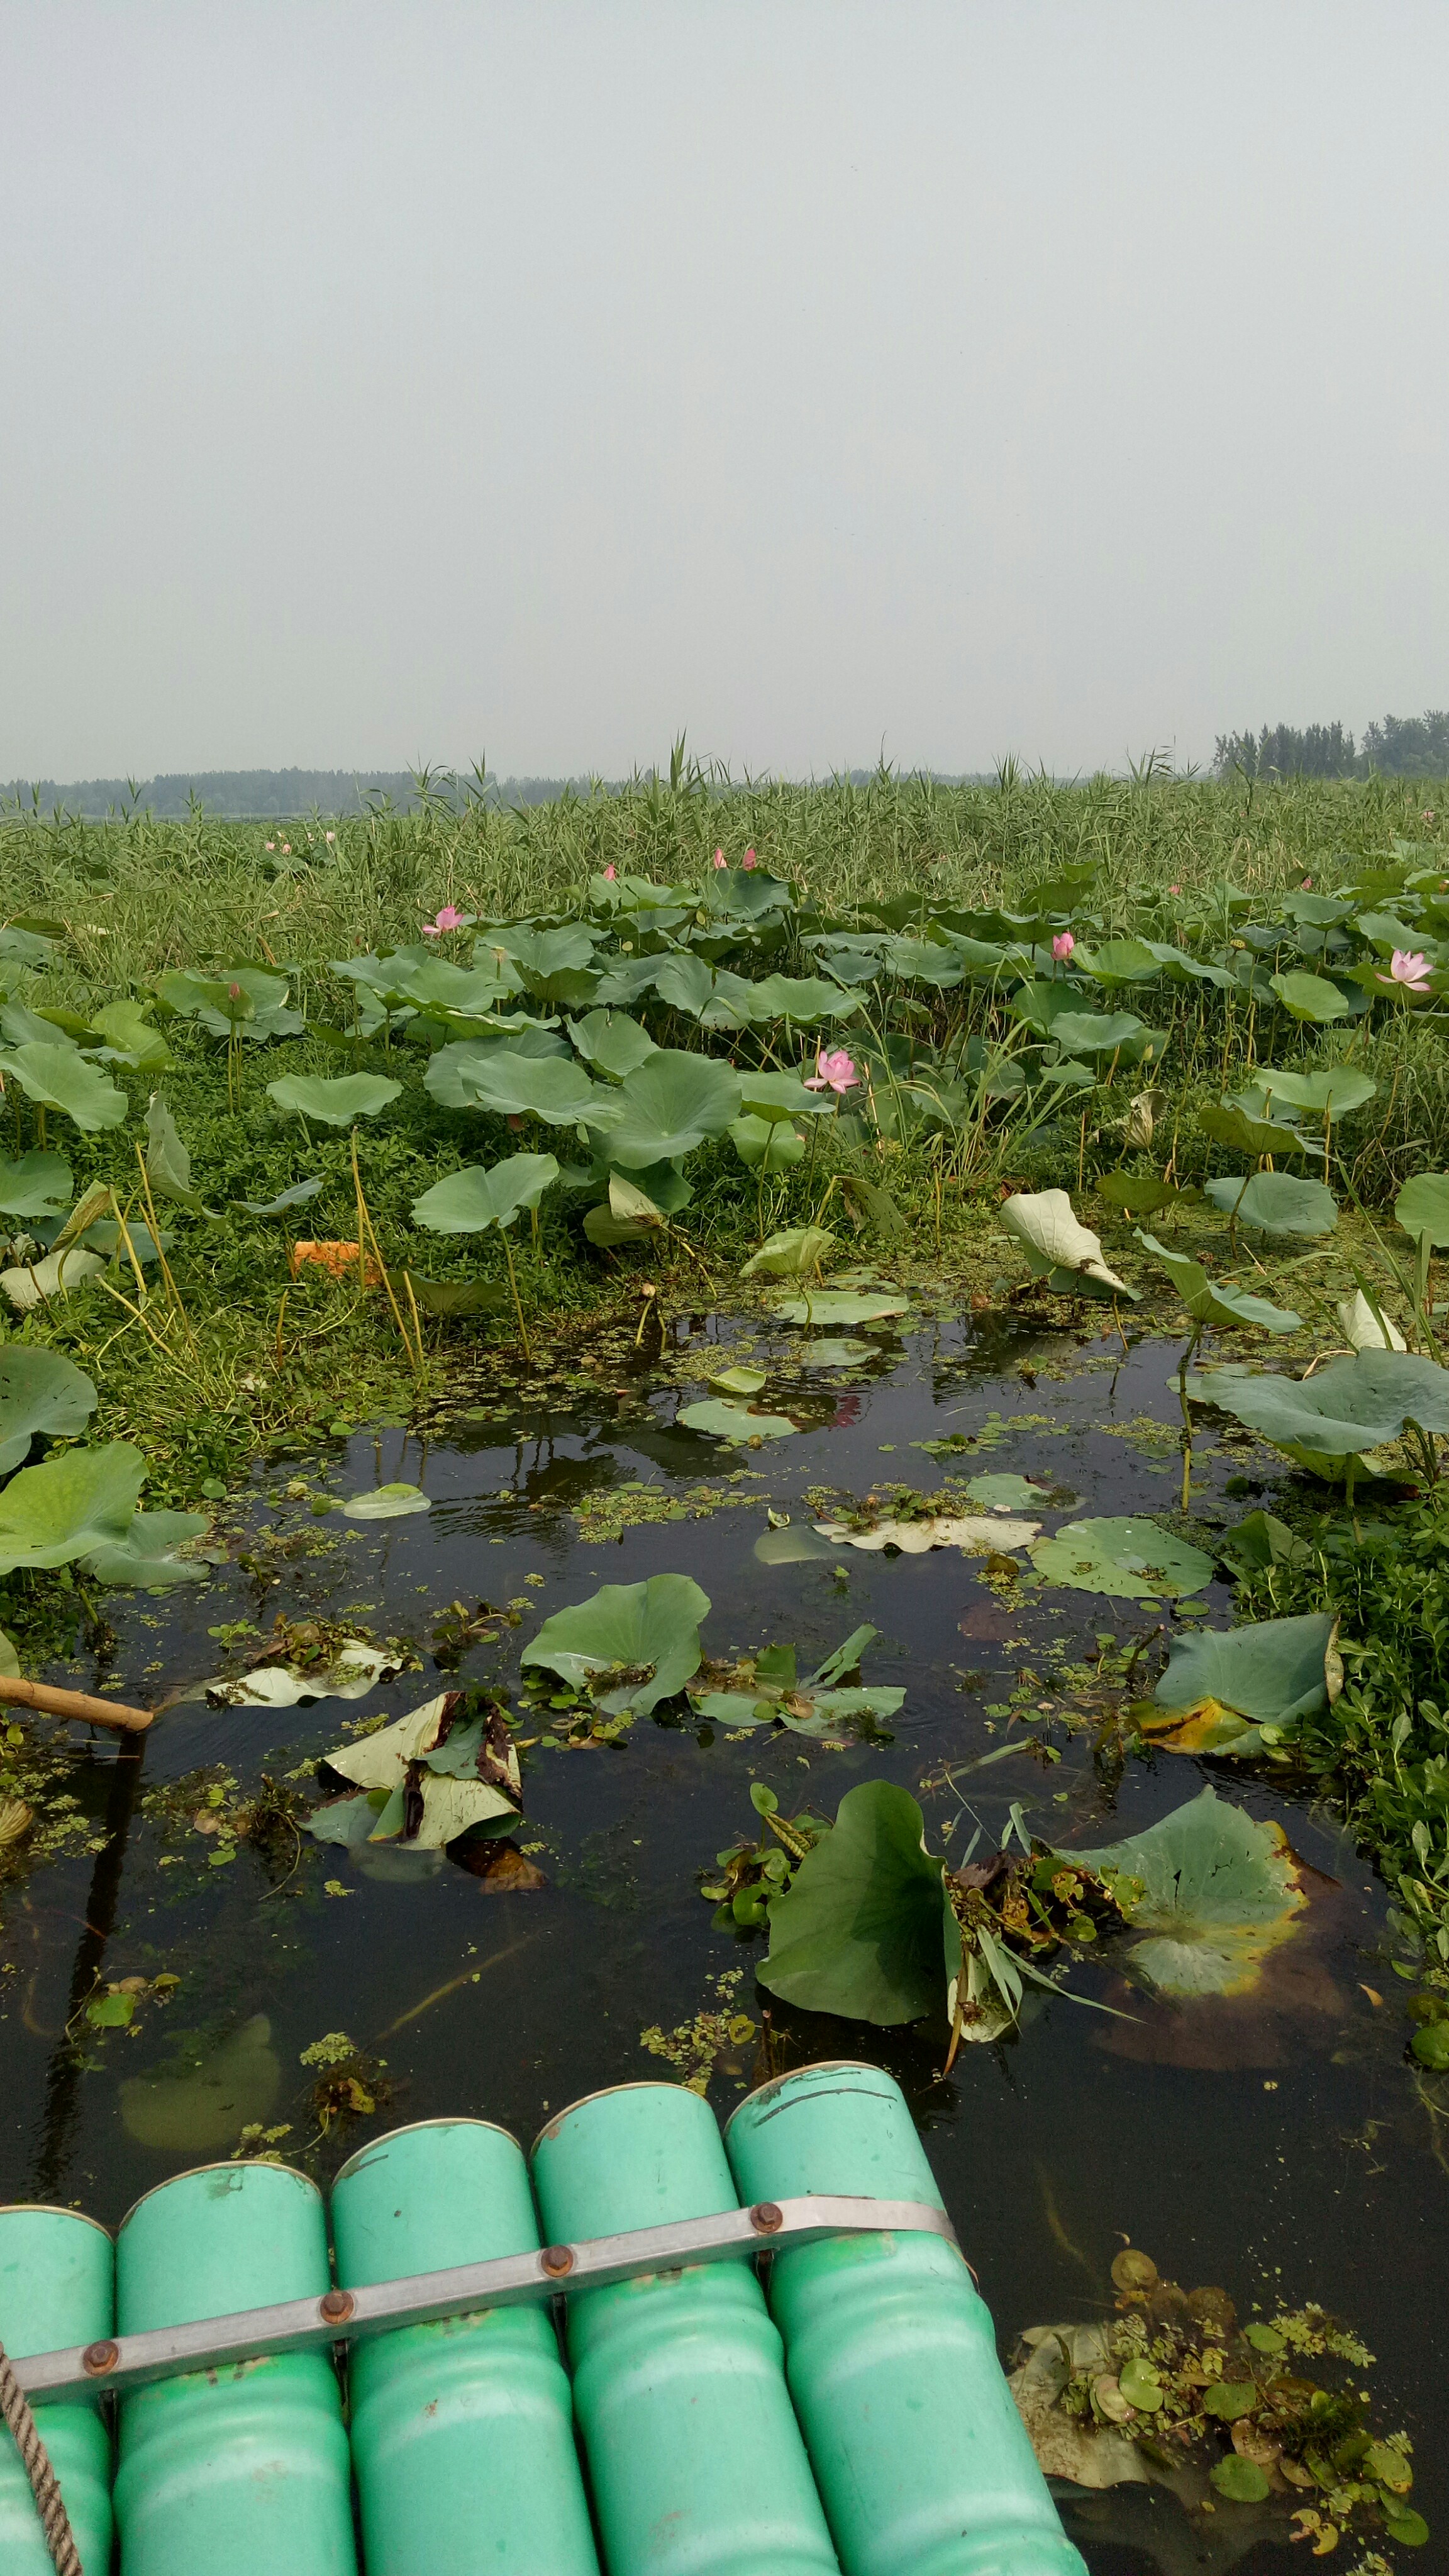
(64, 1703)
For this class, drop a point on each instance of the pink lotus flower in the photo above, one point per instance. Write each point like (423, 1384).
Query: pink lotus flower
(1409, 967)
(750, 859)
(286, 849)
(834, 1071)
(1427, 818)
(271, 845)
(1306, 885)
(1063, 944)
(1174, 889)
(610, 873)
(719, 858)
(329, 836)
(449, 918)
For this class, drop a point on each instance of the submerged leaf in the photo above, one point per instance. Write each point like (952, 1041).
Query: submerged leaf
(205, 2100)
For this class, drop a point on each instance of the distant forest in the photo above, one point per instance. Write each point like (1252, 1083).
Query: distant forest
(1400, 747)
(258, 793)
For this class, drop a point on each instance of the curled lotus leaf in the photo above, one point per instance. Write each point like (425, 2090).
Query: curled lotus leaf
(146, 1557)
(1228, 1123)
(865, 1928)
(1057, 1244)
(650, 1627)
(612, 1042)
(413, 1754)
(796, 1254)
(1365, 1330)
(1349, 1407)
(1273, 1673)
(1220, 1893)
(34, 1283)
(1210, 1302)
(1333, 1092)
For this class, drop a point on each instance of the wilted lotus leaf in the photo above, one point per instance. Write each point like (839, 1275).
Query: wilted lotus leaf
(1134, 2270)
(1059, 1249)
(57, 1077)
(62, 1509)
(1363, 1329)
(1221, 1688)
(1220, 1893)
(206, 2097)
(841, 1306)
(975, 1536)
(1274, 1203)
(36, 1283)
(1212, 1302)
(739, 1381)
(355, 1669)
(37, 1185)
(734, 1421)
(42, 1391)
(647, 1628)
(866, 1928)
(442, 1772)
(336, 1100)
(1130, 1560)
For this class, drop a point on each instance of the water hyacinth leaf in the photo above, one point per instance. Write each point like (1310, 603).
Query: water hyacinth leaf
(734, 1421)
(335, 1100)
(296, 1196)
(669, 1105)
(207, 2097)
(1095, 1032)
(38, 1185)
(612, 1042)
(1422, 1207)
(1220, 1893)
(1273, 1672)
(1230, 1125)
(768, 1144)
(796, 1254)
(386, 1503)
(1129, 1560)
(40, 1391)
(552, 1088)
(866, 1929)
(1311, 997)
(1211, 1302)
(69, 1505)
(1274, 1203)
(651, 1627)
(56, 1077)
(146, 1558)
(34, 1283)
(1365, 1330)
(1349, 1407)
(470, 1201)
(842, 1306)
(1057, 1244)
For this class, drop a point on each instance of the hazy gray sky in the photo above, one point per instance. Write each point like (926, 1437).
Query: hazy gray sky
(420, 379)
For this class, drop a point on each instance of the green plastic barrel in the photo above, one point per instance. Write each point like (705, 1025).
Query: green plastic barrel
(462, 2430)
(695, 2457)
(242, 2470)
(918, 2451)
(57, 2275)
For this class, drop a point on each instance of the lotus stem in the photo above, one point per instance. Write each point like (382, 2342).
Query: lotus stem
(517, 1300)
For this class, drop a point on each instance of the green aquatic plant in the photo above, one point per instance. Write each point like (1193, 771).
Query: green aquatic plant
(642, 1639)
(766, 1689)
(334, 1100)
(40, 1392)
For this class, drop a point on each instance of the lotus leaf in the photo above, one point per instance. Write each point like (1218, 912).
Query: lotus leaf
(242, 1001)
(782, 1095)
(612, 1042)
(1275, 1203)
(648, 1627)
(1212, 1302)
(336, 1099)
(1311, 997)
(797, 1544)
(31, 1284)
(1041, 1005)
(168, 1164)
(842, 1306)
(450, 1074)
(1351, 1406)
(771, 1143)
(1422, 1207)
(924, 961)
(630, 1216)
(1130, 1560)
(58, 1078)
(1335, 1091)
(28, 948)
(669, 1105)
(456, 1296)
(397, 1760)
(40, 1390)
(145, 1556)
(296, 1196)
(1095, 1032)
(355, 1669)
(131, 1035)
(1004, 1493)
(1058, 1247)
(386, 1503)
(69, 1505)
(37, 1185)
(1228, 1123)
(826, 1354)
(994, 1536)
(206, 2098)
(1220, 1892)
(551, 1088)
(801, 997)
(1119, 961)
(1274, 1672)
(1141, 1196)
(739, 1381)
(734, 1421)
(865, 1928)
(468, 1202)
(1362, 1328)
(796, 1254)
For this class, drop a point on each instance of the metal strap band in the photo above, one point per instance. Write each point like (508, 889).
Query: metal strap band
(343, 2316)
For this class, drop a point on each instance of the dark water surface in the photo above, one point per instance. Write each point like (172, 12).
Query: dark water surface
(1287, 2154)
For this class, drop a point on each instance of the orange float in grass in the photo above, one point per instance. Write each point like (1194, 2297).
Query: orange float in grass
(341, 1259)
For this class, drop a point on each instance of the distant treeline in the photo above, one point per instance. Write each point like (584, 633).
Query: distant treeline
(1400, 747)
(257, 794)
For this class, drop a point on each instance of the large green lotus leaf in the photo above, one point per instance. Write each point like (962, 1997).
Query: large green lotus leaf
(1119, 961)
(540, 952)
(801, 997)
(1422, 1206)
(65, 1507)
(1351, 1406)
(334, 1099)
(1057, 1246)
(690, 984)
(1209, 1301)
(1180, 968)
(552, 1088)
(436, 983)
(56, 1077)
(468, 1202)
(770, 1143)
(1220, 1892)
(866, 1929)
(451, 1069)
(795, 1254)
(1335, 1091)
(1141, 1194)
(1275, 1203)
(667, 1106)
(40, 1390)
(782, 1095)
(1311, 997)
(1229, 1124)
(735, 1421)
(612, 1042)
(1131, 1560)
(242, 1001)
(131, 1035)
(842, 1306)
(1095, 1032)
(145, 1558)
(1273, 1672)
(37, 1185)
(208, 2096)
(651, 1626)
